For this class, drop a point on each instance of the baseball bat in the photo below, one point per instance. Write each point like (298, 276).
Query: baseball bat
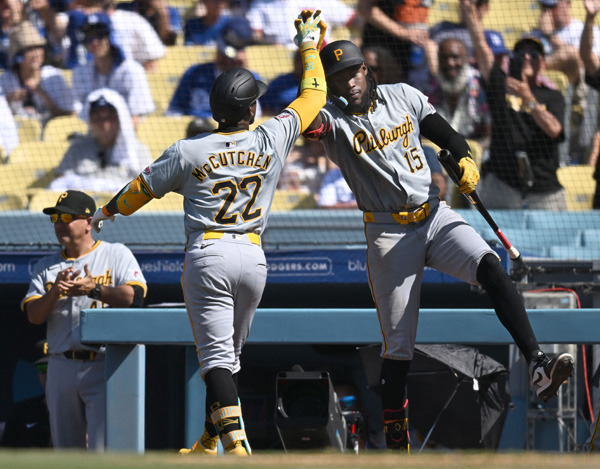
(453, 169)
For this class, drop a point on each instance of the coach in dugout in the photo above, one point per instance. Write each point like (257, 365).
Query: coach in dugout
(527, 125)
(84, 274)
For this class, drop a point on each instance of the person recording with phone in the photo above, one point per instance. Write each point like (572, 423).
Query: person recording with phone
(527, 125)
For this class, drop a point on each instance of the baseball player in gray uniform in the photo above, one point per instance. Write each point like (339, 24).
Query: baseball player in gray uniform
(85, 274)
(228, 179)
(372, 132)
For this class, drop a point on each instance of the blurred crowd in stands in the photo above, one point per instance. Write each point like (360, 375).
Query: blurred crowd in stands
(528, 104)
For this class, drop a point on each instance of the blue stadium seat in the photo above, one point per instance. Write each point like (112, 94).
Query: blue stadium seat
(591, 238)
(537, 242)
(575, 252)
(541, 219)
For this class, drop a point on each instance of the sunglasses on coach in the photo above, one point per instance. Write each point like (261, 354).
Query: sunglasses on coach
(65, 217)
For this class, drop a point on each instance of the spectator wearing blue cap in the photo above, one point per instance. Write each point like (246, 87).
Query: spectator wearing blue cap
(110, 69)
(130, 31)
(527, 126)
(192, 94)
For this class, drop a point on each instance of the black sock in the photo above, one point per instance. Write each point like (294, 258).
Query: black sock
(508, 305)
(221, 391)
(393, 386)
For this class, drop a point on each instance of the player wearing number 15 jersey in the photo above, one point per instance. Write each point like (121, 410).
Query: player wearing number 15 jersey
(372, 132)
(228, 180)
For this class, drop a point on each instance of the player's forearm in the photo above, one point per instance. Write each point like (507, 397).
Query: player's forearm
(436, 128)
(117, 297)
(130, 199)
(39, 310)
(313, 94)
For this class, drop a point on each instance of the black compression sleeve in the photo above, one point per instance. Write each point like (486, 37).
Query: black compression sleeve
(436, 128)
(138, 297)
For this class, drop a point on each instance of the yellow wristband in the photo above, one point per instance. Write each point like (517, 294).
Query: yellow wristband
(314, 83)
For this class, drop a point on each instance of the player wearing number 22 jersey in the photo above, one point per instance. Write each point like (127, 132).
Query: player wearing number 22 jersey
(228, 179)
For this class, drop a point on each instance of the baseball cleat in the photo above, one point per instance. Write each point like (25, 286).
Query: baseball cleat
(208, 448)
(548, 374)
(237, 449)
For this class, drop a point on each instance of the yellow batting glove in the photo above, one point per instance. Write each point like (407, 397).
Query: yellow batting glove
(469, 176)
(311, 29)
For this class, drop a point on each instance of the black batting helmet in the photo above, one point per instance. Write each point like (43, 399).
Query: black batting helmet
(232, 93)
(339, 55)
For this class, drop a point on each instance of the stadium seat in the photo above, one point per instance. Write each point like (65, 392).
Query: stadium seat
(591, 238)
(43, 154)
(575, 252)
(579, 184)
(160, 132)
(537, 242)
(59, 128)
(42, 198)
(23, 177)
(13, 201)
(179, 58)
(30, 130)
(540, 219)
(162, 87)
(559, 79)
(285, 200)
(269, 61)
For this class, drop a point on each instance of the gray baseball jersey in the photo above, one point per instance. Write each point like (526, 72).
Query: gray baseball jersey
(228, 181)
(381, 158)
(75, 390)
(388, 169)
(111, 264)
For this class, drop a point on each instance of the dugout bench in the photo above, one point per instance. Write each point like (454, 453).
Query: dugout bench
(126, 331)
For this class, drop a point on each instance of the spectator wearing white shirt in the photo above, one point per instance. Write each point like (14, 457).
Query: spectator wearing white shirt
(33, 89)
(109, 155)
(9, 135)
(110, 69)
(136, 36)
(270, 18)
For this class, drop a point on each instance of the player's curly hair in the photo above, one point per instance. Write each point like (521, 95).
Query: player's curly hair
(372, 95)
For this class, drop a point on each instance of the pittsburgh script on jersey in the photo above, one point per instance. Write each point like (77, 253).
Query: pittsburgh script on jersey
(363, 140)
(233, 158)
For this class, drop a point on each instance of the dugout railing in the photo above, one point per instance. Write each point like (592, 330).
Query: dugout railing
(126, 331)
